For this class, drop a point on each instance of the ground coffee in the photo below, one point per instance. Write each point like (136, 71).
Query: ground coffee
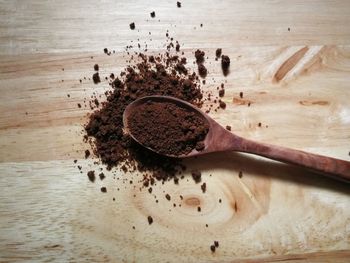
(168, 128)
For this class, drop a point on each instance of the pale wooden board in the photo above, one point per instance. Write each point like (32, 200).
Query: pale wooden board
(297, 82)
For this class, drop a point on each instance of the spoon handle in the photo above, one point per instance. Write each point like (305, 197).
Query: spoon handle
(336, 168)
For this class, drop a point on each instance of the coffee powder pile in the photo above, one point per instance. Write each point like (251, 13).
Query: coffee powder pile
(153, 75)
(168, 128)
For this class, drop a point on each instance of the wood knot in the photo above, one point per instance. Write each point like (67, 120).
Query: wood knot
(192, 201)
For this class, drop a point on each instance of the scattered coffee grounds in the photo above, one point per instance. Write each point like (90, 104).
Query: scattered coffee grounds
(177, 47)
(199, 209)
(259, 124)
(167, 128)
(150, 220)
(197, 176)
(132, 26)
(218, 52)
(91, 175)
(225, 64)
(105, 50)
(241, 95)
(221, 93)
(178, 4)
(102, 176)
(96, 78)
(167, 196)
(199, 54)
(96, 67)
(202, 70)
(228, 128)
(216, 243)
(204, 187)
(153, 14)
(103, 189)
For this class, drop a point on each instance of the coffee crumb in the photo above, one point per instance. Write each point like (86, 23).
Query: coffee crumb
(202, 70)
(225, 64)
(259, 124)
(221, 93)
(167, 196)
(220, 200)
(204, 187)
(199, 55)
(150, 220)
(91, 175)
(212, 248)
(96, 67)
(96, 78)
(87, 154)
(216, 243)
(79, 105)
(75, 161)
(228, 127)
(218, 52)
(197, 176)
(105, 50)
(103, 189)
(222, 104)
(240, 174)
(132, 26)
(241, 94)
(177, 47)
(153, 14)
(102, 176)
(199, 209)
(178, 4)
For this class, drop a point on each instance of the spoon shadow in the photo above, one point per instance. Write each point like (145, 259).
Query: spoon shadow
(262, 167)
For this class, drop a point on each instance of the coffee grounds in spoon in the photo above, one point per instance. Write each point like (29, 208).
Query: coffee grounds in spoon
(167, 128)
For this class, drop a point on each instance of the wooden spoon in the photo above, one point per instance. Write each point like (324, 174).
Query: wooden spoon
(218, 139)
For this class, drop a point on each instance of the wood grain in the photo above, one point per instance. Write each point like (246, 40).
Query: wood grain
(296, 81)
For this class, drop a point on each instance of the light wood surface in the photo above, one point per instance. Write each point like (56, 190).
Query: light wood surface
(297, 82)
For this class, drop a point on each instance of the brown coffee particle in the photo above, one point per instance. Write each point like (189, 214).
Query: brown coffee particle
(178, 4)
(221, 93)
(240, 175)
(150, 220)
(212, 248)
(222, 104)
(96, 78)
(167, 196)
(204, 187)
(103, 189)
(132, 26)
(87, 154)
(91, 176)
(102, 176)
(218, 52)
(216, 243)
(153, 14)
(96, 67)
(197, 176)
(199, 209)
(202, 70)
(241, 94)
(228, 127)
(199, 55)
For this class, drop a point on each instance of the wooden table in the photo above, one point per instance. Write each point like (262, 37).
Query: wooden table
(291, 60)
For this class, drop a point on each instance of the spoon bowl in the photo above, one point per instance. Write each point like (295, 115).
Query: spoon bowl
(219, 139)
